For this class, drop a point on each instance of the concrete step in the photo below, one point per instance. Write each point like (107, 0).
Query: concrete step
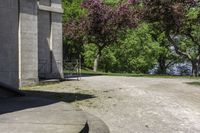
(95, 124)
(39, 115)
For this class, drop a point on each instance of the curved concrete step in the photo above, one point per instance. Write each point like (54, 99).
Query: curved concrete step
(96, 125)
(38, 115)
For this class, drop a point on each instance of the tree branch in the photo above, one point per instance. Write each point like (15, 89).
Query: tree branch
(170, 63)
(193, 39)
(177, 49)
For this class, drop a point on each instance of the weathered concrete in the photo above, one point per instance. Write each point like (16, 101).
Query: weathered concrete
(44, 35)
(9, 42)
(96, 125)
(51, 9)
(45, 2)
(38, 115)
(57, 50)
(50, 38)
(31, 41)
(28, 42)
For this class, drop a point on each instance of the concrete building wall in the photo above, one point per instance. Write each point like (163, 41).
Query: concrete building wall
(28, 43)
(30, 34)
(57, 65)
(56, 3)
(44, 40)
(44, 53)
(45, 2)
(9, 42)
(50, 40)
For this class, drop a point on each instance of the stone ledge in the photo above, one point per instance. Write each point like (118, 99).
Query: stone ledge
(50, 9)
(96, 125)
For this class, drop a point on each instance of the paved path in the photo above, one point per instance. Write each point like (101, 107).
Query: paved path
(38, 115)
(136, 105)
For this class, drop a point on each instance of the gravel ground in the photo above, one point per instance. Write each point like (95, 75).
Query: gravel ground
(135, 105)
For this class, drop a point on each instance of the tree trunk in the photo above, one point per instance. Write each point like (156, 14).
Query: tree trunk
(195, 68)
(162, 65)
(195, 62)
(96, 60)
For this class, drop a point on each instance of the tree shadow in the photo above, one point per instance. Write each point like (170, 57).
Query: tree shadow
(75, 77)
(34, 99)
(193, 83)
(60, 96)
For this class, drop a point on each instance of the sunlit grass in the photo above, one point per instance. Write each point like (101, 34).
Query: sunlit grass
(90, 72)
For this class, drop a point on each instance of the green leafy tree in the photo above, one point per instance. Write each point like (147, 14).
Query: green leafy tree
(166, 56)
(102, 25)
(89, 55)
(72, 12)
(138, 51)
(180, 20)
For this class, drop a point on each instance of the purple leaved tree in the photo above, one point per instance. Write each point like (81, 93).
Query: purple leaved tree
(103, 24)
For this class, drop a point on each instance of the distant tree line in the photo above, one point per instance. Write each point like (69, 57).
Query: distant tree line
(133, 35)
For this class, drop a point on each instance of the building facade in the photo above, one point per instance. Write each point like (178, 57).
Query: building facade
(31, 41)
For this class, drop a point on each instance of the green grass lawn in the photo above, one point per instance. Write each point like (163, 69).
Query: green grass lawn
(89, 72)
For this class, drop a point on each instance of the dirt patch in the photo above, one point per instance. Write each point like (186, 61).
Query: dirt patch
(129, 105)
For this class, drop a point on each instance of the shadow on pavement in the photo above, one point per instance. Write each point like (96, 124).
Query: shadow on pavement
(60, 96)
(193, 83)
(35, 99)
(82, 75)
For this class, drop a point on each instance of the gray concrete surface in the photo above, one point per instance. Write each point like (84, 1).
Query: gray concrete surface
(38, 115)
(9, 42)
(137, 105)
(50, 40)
(57, 50)
(28, 42)
(96, 125)
(44, 32)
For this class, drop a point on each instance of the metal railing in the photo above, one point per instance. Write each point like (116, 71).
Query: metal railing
(73, 68)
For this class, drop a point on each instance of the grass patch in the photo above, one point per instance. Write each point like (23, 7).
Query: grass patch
(60, 96)
(42, 84)
(89, 72)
